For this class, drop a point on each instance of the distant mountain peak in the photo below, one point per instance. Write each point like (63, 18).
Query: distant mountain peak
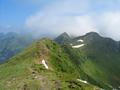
(63, 38)
(65, 34)
(93, 34)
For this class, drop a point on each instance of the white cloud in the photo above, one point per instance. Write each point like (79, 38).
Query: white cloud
(57, 24)
(72, 16)
(63, 16)
(109, 24)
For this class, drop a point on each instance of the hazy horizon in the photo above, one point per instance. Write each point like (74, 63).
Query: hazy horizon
(76, 17)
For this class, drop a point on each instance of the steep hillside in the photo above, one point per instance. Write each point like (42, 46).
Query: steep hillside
(98, 58)
(11, 44)
(44, 65)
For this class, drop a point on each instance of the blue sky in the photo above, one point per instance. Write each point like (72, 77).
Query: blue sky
(14, 12)
(57, 16)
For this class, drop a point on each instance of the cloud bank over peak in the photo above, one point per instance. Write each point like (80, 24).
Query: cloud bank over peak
(109, 24)
(76, 17)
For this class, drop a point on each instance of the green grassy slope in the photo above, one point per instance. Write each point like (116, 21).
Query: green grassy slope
(25, 71)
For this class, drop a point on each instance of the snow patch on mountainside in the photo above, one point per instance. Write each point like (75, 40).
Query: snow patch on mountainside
(78, 46)
(80, 40)
(44, 63)
(83, 81)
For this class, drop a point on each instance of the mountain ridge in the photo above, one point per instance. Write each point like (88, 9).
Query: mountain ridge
(69, 65)
(29, 71)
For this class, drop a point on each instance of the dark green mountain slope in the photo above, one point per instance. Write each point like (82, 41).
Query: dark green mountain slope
(99, 58)
(11, 44)
(26, 70)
